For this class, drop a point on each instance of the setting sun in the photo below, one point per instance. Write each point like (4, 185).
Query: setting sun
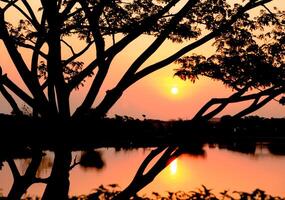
(173, 167)
(174, 90)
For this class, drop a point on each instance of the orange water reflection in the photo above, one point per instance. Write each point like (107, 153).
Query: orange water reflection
(220, 170)
(173, 167)
(224, 170)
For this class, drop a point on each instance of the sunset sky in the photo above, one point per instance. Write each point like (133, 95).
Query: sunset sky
(152, 96)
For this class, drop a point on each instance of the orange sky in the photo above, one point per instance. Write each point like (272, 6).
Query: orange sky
(152, 95)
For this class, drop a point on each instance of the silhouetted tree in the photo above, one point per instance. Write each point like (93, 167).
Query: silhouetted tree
(50, 77)
(250, 56)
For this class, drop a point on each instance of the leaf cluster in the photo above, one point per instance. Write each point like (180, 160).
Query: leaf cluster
(251, 54)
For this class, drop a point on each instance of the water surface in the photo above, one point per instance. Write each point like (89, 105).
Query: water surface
(219, 170)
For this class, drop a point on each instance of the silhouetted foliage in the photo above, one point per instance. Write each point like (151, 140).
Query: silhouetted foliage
(243, 58)
(109, 192)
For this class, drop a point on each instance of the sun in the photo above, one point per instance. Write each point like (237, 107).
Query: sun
(174, 90)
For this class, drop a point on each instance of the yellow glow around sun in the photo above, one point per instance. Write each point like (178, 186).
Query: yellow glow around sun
(173, 166)
(174, 90)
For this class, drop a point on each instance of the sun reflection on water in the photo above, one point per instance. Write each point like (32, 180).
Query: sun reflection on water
(173, 167)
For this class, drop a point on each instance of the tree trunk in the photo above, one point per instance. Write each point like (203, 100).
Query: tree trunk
(110, 99)
(58, 184)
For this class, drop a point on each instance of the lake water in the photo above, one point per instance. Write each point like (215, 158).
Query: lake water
(219, 170)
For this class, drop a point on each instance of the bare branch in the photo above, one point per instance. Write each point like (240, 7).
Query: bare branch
(272, 92)
(163, 161)
(10, 99)
(35, 57)
(14, 169)
(34, 21)
(38, 45)
(75, 163)
(213, 101)
(147, 160)
(44, 85)
(16, 90)
(40, 180)
(9, 4)
(141, 180)
(34, 48)
(69, 46)
(256, 105)
(77, 55)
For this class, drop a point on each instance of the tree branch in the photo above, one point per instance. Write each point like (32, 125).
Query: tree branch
(128, 77)
(9, 97)
(35, 56)
(40, 180)
(77, 55)
(113, 34)
(57, 90)
(103, 64)
(157, 43)
(141, 180)
(44, 85)
(255, 105)
(14, 169)
(67, 9)
(9, 4)
(115, 49)
(34, 21)
(69, 46)
(213, 101)
(30, 81)
(37, 49)
(16, 90)
(73, 13)
(147, 160)
(75, 163)
(163, 63)
(272, 15)
(10, 100)
(235, 98)
(34, 48)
